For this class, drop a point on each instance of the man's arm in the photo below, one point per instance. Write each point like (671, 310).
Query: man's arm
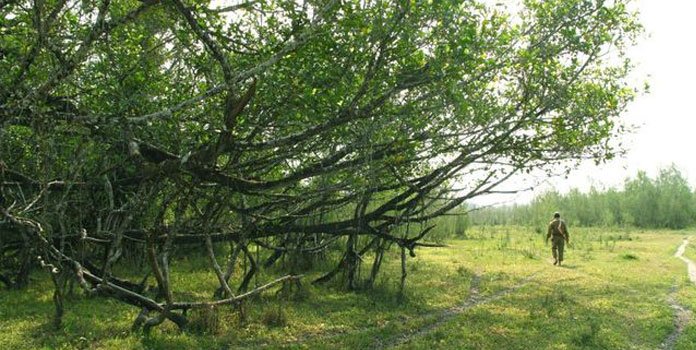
(549, 232)
(565, 233)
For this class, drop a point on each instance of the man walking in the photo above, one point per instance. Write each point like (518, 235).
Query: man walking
(558, 232)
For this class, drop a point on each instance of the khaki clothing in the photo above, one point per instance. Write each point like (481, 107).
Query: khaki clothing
(557, 227)
(558, 232)
(557, 247)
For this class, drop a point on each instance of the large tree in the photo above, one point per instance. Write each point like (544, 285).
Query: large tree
(283, 125)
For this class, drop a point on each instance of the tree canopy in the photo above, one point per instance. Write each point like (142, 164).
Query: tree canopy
(284, 125)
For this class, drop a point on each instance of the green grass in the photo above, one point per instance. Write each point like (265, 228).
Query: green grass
(612, 294)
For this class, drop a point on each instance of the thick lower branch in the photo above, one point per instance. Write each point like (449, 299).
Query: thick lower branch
(237, 299)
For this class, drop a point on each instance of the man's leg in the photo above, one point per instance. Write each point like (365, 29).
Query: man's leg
(554, 250)
(561, 246)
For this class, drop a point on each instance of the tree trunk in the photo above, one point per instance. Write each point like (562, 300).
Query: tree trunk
(57, 300)
(377, 263)
(403, 271)
(250, 273)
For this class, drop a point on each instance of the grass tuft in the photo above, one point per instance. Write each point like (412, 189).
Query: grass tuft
(204, 321)
(629, 256)
(462, 271)
(529, 253)
(588, 335)
(275, 317)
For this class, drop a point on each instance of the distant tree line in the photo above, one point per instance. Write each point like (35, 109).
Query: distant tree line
(664, 201)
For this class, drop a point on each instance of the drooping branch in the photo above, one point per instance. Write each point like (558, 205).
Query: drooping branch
(339, 127)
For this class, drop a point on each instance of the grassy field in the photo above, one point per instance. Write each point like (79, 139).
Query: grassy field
(495, 288)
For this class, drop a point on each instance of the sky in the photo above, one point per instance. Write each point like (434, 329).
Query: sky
(665, 57)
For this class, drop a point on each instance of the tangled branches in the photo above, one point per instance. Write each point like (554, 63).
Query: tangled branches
(133, 132)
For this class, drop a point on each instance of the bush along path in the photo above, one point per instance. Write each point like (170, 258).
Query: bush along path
(682, 315)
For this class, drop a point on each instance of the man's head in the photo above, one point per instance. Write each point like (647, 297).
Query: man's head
(556, 215)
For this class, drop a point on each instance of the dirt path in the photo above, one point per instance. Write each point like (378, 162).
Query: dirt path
(474, 299)
(682, 315)
(473, 295)
(690, 264)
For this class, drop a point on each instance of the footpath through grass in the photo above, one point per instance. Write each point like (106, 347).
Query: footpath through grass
(494, 289)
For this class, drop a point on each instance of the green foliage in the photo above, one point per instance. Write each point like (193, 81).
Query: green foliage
(287, 129)
(666, 201)
(453, 225)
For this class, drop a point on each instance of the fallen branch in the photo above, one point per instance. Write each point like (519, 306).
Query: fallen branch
(236, 299)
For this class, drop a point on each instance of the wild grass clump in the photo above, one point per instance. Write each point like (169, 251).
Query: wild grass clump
(504, 242)
(588, 336)
(555, 302)
(621, 237)
(586, 254)
(529, 253)
(415, 266)
(294, 291)
(629, 256)
(463, 271)
(204, 321)
(609, 243)
(275, 317)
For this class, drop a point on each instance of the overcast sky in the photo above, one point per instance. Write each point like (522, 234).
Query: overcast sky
(666, 58)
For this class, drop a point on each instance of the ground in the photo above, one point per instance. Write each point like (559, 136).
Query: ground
(492, 288)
